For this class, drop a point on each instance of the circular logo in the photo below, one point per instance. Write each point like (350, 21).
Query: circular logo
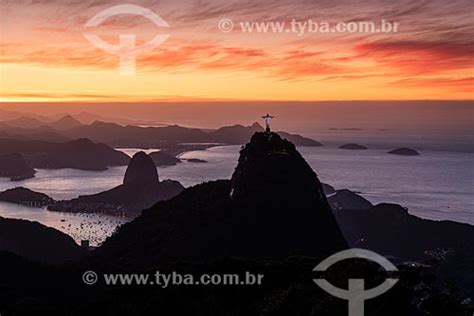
(226, 25)
(90, 277)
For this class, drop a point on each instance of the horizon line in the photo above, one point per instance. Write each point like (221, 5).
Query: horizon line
(3, 102)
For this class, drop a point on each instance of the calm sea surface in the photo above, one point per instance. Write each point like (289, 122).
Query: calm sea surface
(436, 185)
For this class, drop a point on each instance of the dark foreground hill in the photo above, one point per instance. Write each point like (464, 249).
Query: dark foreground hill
(37, 242)
(273, 215)
(390, 230)
(273, 207)
(141, 189)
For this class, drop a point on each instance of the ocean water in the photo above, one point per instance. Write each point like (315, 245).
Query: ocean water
(93, 227)
(436, 185)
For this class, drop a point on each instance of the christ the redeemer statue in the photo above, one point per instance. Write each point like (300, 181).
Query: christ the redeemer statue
(267, 119)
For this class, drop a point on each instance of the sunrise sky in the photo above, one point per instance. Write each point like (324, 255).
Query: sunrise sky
(45, 57)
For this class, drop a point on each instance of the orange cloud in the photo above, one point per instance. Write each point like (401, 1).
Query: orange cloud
(419, 57)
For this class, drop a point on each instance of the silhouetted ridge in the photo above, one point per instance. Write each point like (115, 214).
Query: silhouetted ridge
(37, 242)
(141, 170)
(278, 209)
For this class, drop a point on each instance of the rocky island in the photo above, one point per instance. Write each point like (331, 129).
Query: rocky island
(352, 146)
(162, 159)
(26, 197)
(404, 151)
(196, 160)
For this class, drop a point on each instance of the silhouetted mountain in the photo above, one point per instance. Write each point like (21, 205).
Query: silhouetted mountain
(390, 230)
(352, 146)
(239, 134)
(15, 167)
(25, 122)
(348, 200)
(141, 189)
(300, 140)
(65, 123)
(77, 154)
(404, 151)
(25, 196)
(89, 118)
(37, 242)
(235, 134)
(6, 115)
(141, 171)
(273, 207)
(204, 222)
(42, 133)
(161, 158)
(133, 136)
(4, 126)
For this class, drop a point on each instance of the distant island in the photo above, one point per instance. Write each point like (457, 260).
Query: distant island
(352, 146)
(404, 151)
(195, 160)
(161, 159)
(26, 197)
(345, 129)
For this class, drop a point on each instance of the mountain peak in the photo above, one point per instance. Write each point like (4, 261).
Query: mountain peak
(66, 122)
(269, 166)
(141, 170)
(256, 125)
(67, 117)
